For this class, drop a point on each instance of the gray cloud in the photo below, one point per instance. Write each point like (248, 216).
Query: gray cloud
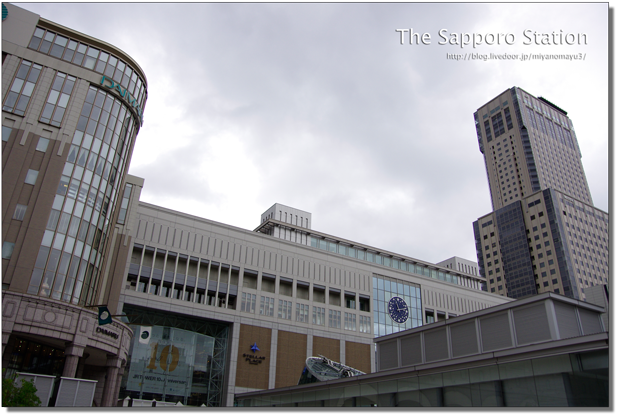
(319, 106)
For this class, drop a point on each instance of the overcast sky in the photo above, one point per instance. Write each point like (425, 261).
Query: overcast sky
(320, 107)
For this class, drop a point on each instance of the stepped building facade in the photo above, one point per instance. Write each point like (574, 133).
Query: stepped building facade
(544, 234)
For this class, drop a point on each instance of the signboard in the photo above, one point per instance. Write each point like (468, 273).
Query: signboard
(164, 359)
(125, 95)
(254, 358)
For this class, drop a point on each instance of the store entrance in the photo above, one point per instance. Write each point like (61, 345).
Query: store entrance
(31, 357)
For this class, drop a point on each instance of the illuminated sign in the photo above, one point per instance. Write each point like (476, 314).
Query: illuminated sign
(125, 95)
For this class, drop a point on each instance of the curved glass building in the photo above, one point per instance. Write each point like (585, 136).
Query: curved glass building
(72, 107)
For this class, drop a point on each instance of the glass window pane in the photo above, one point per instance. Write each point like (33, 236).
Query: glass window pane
(53, 98)
(21, 105)
(58, 81)
(64, 99)
(31, 177)
(17, 85)
(7, 249)
(34, 73)
(6, 132)
(36, 39)
(20, 211)
(23, 70)
(58, 114)
(47, 112)
(10, 101)
(28, 88)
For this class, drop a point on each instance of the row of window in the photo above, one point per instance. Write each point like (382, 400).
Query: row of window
(57, 100)
(77, 229)
(99, 115)
(179, 276)
(384, 260)
(534, 103)
(302, 313)
(84, 55)
(552, 130)
(512, 165)
(21, 90)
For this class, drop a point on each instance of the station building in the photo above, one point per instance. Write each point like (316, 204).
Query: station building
(218, 310)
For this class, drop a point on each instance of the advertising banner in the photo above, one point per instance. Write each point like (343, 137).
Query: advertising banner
(162, 361)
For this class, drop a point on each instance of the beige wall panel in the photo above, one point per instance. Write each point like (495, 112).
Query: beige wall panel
(291, 358)
(358, 356)
(253, 375)
(327, 347)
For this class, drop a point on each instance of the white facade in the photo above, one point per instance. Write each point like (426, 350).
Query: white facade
(295, 300)
(461, 264)
(291, 216)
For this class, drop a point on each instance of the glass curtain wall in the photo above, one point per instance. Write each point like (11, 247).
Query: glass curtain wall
(71, 252)
(384, 289)
(175, 358)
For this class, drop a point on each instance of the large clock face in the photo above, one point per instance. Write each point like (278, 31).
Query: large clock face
(398, 310)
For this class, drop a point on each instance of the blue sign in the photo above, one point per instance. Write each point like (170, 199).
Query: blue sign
(254, 348)
(125, 95)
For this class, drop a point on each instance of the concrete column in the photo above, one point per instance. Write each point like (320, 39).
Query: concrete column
(72, 357)
(113, 365)
(80, 370)
(274, 358)
(119, 378)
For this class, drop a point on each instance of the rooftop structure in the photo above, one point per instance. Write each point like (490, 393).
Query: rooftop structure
(460, 264)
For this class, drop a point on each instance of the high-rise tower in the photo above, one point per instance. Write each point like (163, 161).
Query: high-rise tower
(529, 144)
(544, 234)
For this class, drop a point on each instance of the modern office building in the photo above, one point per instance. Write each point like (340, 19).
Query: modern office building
(543, 351)
(72, 106)
(236, 311)
(529, 144)
(544, 234)
(460, 264)
(546, 242)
